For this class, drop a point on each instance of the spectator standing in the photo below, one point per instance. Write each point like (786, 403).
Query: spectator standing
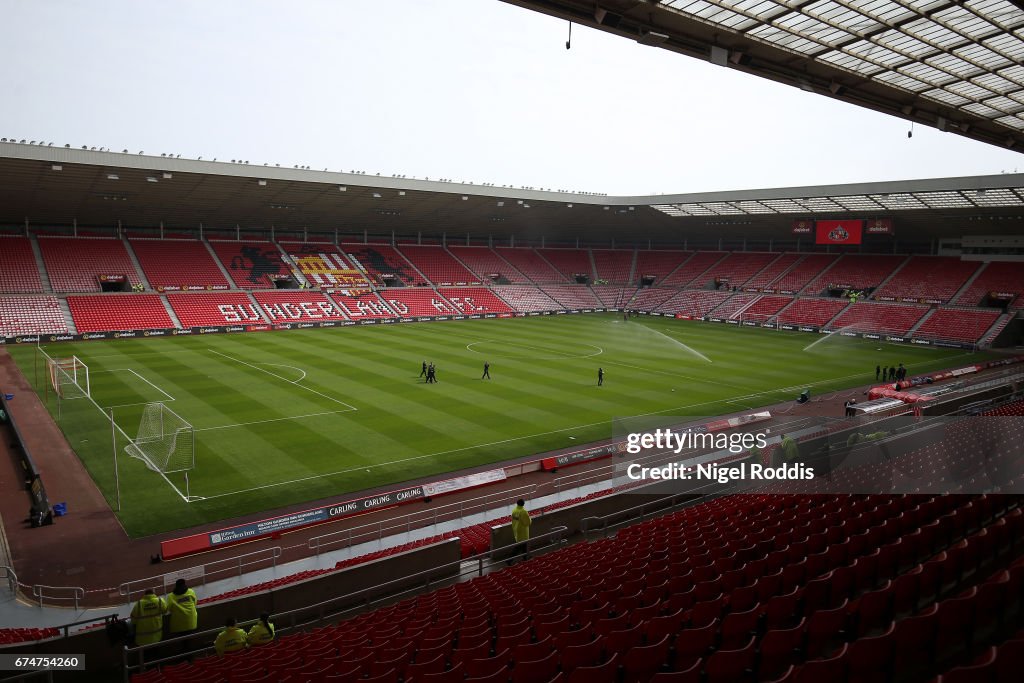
(148, 618)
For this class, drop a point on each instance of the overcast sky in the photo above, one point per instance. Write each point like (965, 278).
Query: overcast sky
(463, 89)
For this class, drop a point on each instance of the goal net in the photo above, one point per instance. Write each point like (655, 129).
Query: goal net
(165, 442)
(69, 377)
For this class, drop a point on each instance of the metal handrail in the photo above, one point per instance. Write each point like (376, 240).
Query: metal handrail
(7, 572)
(425, 518)
(127, 588)
(77, 593)
(358, 601)
(588, 524)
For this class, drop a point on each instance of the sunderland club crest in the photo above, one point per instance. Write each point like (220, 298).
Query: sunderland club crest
(838, 234)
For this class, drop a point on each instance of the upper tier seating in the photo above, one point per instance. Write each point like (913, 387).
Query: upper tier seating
(530, 264)
(475, 300)
(812, 311)
(250, 263)
(998, 276)
(738, 267)
(384, 264)
(297, 306)
(658, 263)
(773, 271)
(695, 303)
(203, 309)
(805, 271)
(572, 296)
(486, 264)
(694, 268)
(18, 269)
(613, 265)
(569, 262)
(439, 266)
(766, 306)
(931, 279)
(31, 315)
(865, 316)
(74, 264)
(325, 266)
(613, 297)
(420, 301)
(170, 265)
(957, 325)
(525, 299)
(856, 271)
(118, 312)
(363, 306)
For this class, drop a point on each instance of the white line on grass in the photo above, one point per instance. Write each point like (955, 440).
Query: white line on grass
(275, 419)
(520, 438)
(290, 367)
(284, 379)
(169, 397)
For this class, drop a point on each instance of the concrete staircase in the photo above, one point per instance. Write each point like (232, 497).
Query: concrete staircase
(66, 311)
(135, 262)
(913, 330)
(170, 311)
(223, 270)
(967, 285)
(44, 277)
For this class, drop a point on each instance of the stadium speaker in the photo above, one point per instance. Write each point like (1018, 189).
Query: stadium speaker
(606, 18)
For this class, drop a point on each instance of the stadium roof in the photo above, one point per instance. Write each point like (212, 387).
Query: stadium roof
(952, 65)
(55, 186)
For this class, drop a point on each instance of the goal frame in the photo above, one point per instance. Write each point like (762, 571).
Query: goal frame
(170, 428)
(72, 369)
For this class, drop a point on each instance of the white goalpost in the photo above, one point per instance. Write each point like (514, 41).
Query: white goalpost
(69, 377)
(165, 440)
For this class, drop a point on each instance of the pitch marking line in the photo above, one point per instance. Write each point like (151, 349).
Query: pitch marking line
(275, 419)
(169, 397)
(290, 367)
(285, 379)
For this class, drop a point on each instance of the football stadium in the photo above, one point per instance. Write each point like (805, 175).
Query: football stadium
(266, 422)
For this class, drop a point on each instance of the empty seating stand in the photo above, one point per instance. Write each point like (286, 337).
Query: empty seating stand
(325, 266)
(569, 262)
(864, 316)
(252, 265)
(739, 267)
(998, 277)
(527, 299)
(766, 307)
(694, 303)
(474, 300)
(855, 271)
(297, 306)
(809, 267)
(126, 312)
(439, 266)
(18, 269)
(694, 271)
(527, 262)
(572, 296)
(385, 265)
(74, 264)
(658, 264)
(613, 297)
(613, 265)
(809, 311)
(31, 315)
(956, 325)
(487, 265)
(418, 302)
(772, 272)
(928, 279)
(205, 309)
(172, 265)
(363, 306)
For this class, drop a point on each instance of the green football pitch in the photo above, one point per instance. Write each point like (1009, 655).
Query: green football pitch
(287, 417)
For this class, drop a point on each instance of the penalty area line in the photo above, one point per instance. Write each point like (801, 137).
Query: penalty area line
(274, 419)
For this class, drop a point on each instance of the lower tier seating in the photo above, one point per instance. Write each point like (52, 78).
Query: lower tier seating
(766, 307)
(204, 309)
(812, 311)
(695, 303)
(475, 300)
(31, 315)
(363, 306)
(297, 306)
(417, 301)
(526, 299)
(957, 325)
(572, 296)
(613, 297)
(118, 312)
(883, 318)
